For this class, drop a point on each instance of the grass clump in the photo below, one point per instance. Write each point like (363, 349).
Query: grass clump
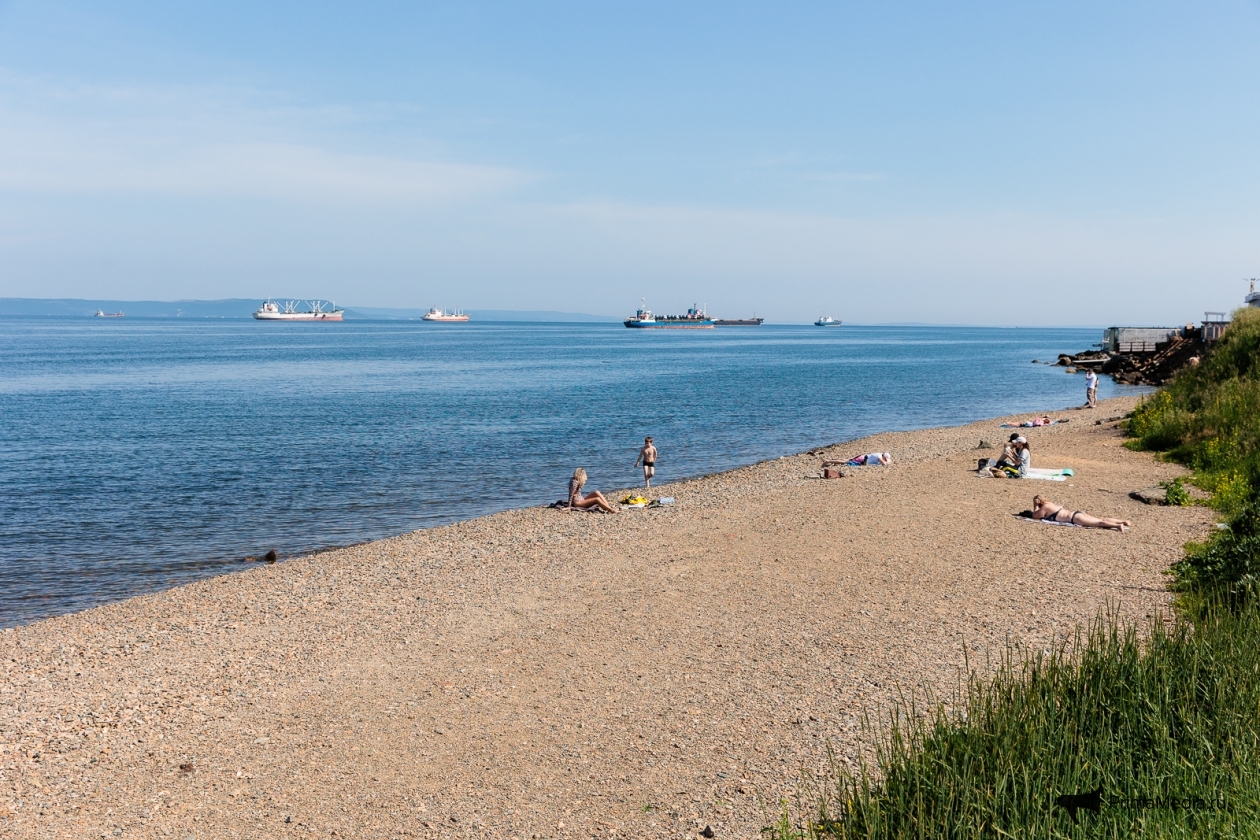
(1161, 725)
(1147, 730)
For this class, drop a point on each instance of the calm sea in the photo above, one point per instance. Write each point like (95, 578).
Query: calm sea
(137, 455)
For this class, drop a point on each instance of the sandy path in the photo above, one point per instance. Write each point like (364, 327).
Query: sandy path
(543, 674)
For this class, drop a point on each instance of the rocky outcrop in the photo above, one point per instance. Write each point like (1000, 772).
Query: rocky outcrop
(1141, 368)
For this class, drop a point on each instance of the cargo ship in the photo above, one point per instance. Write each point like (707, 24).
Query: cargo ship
(101, 313)
(272, 311)
(738, 322)
(827, 321)
(695, 319)
(441, 315)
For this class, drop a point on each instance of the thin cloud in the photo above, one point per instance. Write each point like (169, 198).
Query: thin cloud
(211, 143)
(843, 177)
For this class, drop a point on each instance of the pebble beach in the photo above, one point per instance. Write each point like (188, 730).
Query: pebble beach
(548, 674)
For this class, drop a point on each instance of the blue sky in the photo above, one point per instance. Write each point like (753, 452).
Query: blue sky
(949, 163)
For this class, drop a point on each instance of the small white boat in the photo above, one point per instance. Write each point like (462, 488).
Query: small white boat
(827, 321)
(452, 317)
(272, 311)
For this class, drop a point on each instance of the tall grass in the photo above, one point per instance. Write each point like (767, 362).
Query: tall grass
(1162, 721)
(1144, 718)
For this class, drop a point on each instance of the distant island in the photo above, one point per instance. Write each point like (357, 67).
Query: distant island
(243, 308)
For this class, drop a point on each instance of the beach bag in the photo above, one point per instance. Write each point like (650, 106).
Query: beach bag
(832, 472)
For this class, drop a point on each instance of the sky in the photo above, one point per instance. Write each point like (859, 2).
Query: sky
(1007, 164)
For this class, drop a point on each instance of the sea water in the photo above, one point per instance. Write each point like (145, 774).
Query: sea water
(140, 454)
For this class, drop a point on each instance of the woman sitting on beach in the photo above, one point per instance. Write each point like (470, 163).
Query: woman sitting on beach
(595, 499)
(1015, 461)
(1045, 509)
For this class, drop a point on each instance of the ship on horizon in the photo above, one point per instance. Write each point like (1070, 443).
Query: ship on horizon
(695, 319)
(442, 316)
(827, 321)
(101, 313)
(272, 311)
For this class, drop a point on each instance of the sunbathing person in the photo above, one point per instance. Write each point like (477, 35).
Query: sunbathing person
(1045, 509)
(595, 499)
(875, 459)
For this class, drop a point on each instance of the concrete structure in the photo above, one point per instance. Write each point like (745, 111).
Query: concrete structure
(1136, 339)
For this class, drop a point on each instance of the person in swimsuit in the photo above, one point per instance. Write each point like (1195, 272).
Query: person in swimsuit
(648, 456)
(595, 499)
(874, 459)
(1045, 509)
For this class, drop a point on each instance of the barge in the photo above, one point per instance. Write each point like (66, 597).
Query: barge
(695, 319)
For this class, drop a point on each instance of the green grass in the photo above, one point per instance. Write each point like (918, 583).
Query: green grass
(1146, 714)
(1171, 712)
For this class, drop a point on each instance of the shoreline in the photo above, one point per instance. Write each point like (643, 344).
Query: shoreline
(211, 568)
(558, 674)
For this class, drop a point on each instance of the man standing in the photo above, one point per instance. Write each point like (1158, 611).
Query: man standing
(648, 456)
(1091, 389)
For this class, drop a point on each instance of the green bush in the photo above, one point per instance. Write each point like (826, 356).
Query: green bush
(1208, 417)
(1229, 563)
(1175, 492)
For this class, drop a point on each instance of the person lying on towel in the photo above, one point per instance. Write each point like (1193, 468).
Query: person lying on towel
(1045, 509)
(875, 459)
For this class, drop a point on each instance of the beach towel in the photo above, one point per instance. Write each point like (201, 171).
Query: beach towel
(564, 505)
(984, 473)
(1065, 471)
(1029, 424)
(1046, 521)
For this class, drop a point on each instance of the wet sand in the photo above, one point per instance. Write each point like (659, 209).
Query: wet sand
(538, 673)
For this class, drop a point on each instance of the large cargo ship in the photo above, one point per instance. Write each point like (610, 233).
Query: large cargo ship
(827, 321)
(695, 319)
(272, 311)
(739, 322)
(441, 315)
(101, 313)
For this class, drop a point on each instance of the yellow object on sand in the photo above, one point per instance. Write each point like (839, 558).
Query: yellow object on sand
(634, 500)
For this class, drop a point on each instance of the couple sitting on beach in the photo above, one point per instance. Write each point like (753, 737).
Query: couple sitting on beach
(1015, 462)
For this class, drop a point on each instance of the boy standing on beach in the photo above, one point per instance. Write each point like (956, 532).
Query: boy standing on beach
(648, 456)
(1091, 389)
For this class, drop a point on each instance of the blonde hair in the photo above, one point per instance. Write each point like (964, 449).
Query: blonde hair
(580, 475)
(1038, 501)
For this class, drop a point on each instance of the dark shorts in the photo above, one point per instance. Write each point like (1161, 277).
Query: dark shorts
(649, 463)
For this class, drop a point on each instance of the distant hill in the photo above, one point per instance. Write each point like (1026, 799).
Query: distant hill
(244, 308)
(75, 308)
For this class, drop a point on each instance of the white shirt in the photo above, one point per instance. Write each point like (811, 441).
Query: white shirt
(1091, 380)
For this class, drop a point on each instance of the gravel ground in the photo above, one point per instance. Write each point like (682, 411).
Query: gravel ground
(547, 674)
